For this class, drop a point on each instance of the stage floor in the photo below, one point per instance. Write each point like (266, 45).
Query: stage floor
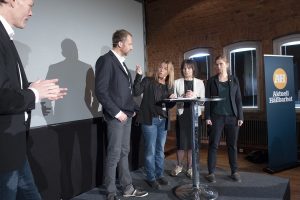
(254, 186)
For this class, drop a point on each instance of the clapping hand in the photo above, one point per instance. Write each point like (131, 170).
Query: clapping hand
(48, 89)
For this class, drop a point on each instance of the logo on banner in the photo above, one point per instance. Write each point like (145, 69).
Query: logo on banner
(280, 78)
(280, 82)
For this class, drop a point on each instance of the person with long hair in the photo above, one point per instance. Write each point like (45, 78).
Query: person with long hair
(188, 87)
(224, 115)
(153, 117)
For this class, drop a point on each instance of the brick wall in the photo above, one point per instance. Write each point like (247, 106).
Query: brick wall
(176, 26)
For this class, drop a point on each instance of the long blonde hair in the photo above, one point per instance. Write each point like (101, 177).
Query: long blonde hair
(170, 76)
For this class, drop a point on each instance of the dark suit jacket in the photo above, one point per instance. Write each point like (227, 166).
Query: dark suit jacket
(14, 101)
(113, 87)
(212, 90)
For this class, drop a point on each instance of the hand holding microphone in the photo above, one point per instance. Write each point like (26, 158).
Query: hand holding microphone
(189, 94)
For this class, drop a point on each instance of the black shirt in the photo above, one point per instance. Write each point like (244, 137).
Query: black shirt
(224, 107)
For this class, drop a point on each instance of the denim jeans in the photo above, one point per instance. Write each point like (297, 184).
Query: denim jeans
(18, 185)
(154, 139)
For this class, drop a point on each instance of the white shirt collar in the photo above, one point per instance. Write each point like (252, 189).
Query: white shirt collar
(7, 27)
(120, 58)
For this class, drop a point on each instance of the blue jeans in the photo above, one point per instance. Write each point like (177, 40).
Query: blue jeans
(18, 185)
(154, 139)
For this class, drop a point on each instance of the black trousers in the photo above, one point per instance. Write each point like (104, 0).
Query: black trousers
(230, 126)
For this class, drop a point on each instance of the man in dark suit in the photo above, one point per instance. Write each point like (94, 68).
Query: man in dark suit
(113, 88)
(17, 99)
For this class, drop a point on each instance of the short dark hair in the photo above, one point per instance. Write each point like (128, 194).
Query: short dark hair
(191, 63)
(119, 36)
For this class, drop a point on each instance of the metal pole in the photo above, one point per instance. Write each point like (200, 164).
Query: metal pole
(195, 145)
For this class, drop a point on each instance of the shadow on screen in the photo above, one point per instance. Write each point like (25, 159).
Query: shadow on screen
(40, 177)
(79, 78)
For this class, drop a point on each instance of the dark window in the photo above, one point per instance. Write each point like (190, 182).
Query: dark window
(294, 50)
(243, 66)
(203, 65)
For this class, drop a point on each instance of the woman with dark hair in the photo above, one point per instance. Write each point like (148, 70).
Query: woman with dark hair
(224, 115)
(153, 116)
(190, 87)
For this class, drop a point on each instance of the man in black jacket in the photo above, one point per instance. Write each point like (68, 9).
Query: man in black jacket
(113, 85)
(17, 99)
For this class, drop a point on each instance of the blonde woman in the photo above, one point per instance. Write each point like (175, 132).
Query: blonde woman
(153, 117)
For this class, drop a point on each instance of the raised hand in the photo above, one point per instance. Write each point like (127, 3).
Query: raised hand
(139, 70)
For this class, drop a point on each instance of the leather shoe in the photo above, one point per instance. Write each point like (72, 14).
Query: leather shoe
(211, 178)
(112, 196)
(162, 181)
(154, 184)
(236, 177)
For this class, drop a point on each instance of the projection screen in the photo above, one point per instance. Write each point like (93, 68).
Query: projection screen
(63, 39)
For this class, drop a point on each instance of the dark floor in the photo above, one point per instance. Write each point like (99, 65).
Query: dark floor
(254, 186)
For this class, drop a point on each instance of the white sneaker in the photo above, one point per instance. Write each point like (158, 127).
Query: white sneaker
(189, 173)
(176, 170)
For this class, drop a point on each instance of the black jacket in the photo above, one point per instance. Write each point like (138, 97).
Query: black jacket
(14, 101)
(212, 90)
(113, 87)
(151, 104)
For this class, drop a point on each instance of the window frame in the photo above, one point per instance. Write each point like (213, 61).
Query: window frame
(201, 50)
(248, 44)
(278, 42)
